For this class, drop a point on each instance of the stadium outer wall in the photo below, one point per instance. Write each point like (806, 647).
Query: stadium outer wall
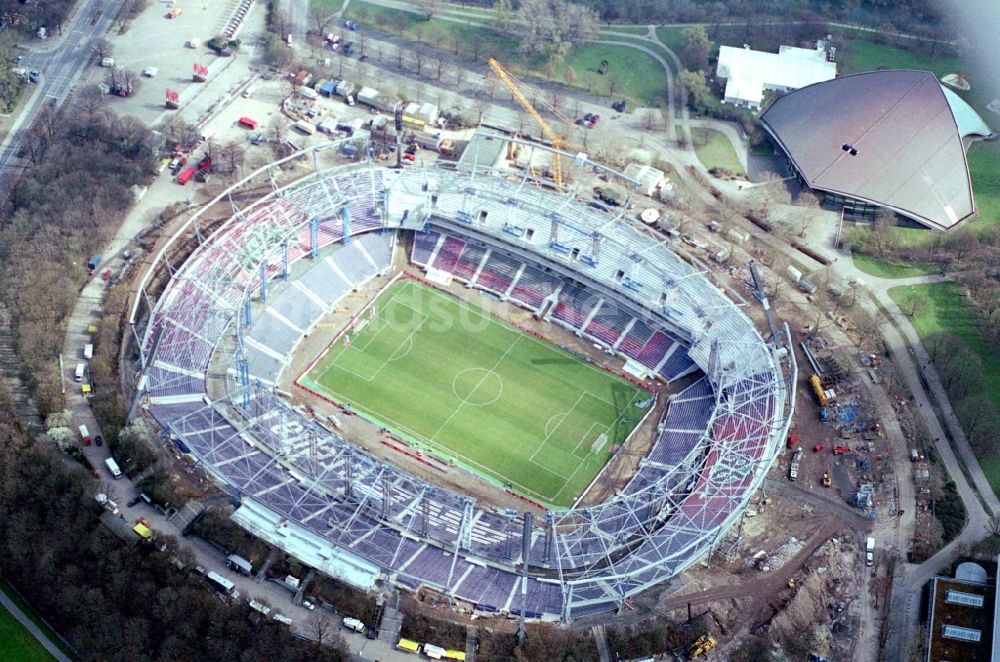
(594, 558)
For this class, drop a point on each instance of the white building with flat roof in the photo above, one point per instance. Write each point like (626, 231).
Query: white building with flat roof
(747, 73)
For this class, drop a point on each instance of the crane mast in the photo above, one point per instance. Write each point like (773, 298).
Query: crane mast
(515, 90)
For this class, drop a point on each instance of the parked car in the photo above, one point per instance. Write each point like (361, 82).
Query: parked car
(350, 25)
(308, 605)
(818, 447)
(618, 106)
(134, 500)
(594, 119)
(99, 440)
(586, 118)
(840, 450)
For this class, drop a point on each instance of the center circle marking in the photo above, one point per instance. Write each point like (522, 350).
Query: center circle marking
(477, 387)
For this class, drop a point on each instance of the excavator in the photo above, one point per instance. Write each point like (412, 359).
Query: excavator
(702, 645)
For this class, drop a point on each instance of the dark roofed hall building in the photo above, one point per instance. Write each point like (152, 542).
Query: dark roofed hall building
(893, 139)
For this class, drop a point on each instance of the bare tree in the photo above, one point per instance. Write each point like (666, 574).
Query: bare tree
(321, 20)
(419, 59)
(428, 8)
(441, 67)
(231, 156)
(319, 628)
(278, 129)
(129, 10)
(103, 48)
(806, 215)
(90, 99)
(614, 82)
(123, 81)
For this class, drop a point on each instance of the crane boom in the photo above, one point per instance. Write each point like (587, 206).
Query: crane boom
(519, 96)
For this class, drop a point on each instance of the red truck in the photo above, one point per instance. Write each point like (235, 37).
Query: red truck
(248, 122)
(185, 176)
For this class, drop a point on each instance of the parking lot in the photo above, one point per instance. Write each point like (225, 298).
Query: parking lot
(167, 50)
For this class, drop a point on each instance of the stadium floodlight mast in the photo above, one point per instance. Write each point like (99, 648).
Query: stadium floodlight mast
(351, 505)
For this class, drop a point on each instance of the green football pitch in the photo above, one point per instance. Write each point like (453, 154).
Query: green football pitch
(476, 391)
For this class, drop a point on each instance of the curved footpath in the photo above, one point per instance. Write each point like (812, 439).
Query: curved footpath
(904, 615)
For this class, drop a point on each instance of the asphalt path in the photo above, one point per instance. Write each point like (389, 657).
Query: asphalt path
(30, 626)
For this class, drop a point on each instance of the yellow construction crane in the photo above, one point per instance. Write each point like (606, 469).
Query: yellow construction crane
(557, 140)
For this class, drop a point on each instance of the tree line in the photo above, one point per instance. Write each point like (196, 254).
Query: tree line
(902, 15)
(969, 255)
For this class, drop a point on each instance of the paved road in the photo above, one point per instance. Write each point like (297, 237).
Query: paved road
(30, 626)
(60, 62)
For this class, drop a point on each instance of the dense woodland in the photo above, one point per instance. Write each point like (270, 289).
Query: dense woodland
(67, 205)
(109, 601)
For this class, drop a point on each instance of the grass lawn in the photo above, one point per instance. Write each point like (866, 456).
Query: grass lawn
(715, 151)
(16, 643)
(331, 6)
(885, 268)
(939, 307)
(863, 55)
(640, 79)
(672, 38)
(500, 402)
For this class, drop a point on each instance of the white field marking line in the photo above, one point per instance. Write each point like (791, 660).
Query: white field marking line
(560, 415)
(546, 438)
(569, 480)
(551, 471)
(335, 362)
(334, 356)
(472, 392)
(584, 438)
(407, 341)
(383, 306)
(440, 447)
(546, 344)
(382, 324)
(369, 379)
(466, 398)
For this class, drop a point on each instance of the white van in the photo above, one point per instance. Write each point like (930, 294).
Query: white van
(88, 351)
(80, 369)
(353, 624)
(116, 473)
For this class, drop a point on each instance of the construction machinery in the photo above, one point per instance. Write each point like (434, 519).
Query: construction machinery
(702, 645)
(558, 141)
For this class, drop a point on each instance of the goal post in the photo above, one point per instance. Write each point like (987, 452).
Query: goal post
(599, 443)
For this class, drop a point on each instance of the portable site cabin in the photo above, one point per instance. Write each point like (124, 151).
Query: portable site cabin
(650, 179)
(239, 564)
